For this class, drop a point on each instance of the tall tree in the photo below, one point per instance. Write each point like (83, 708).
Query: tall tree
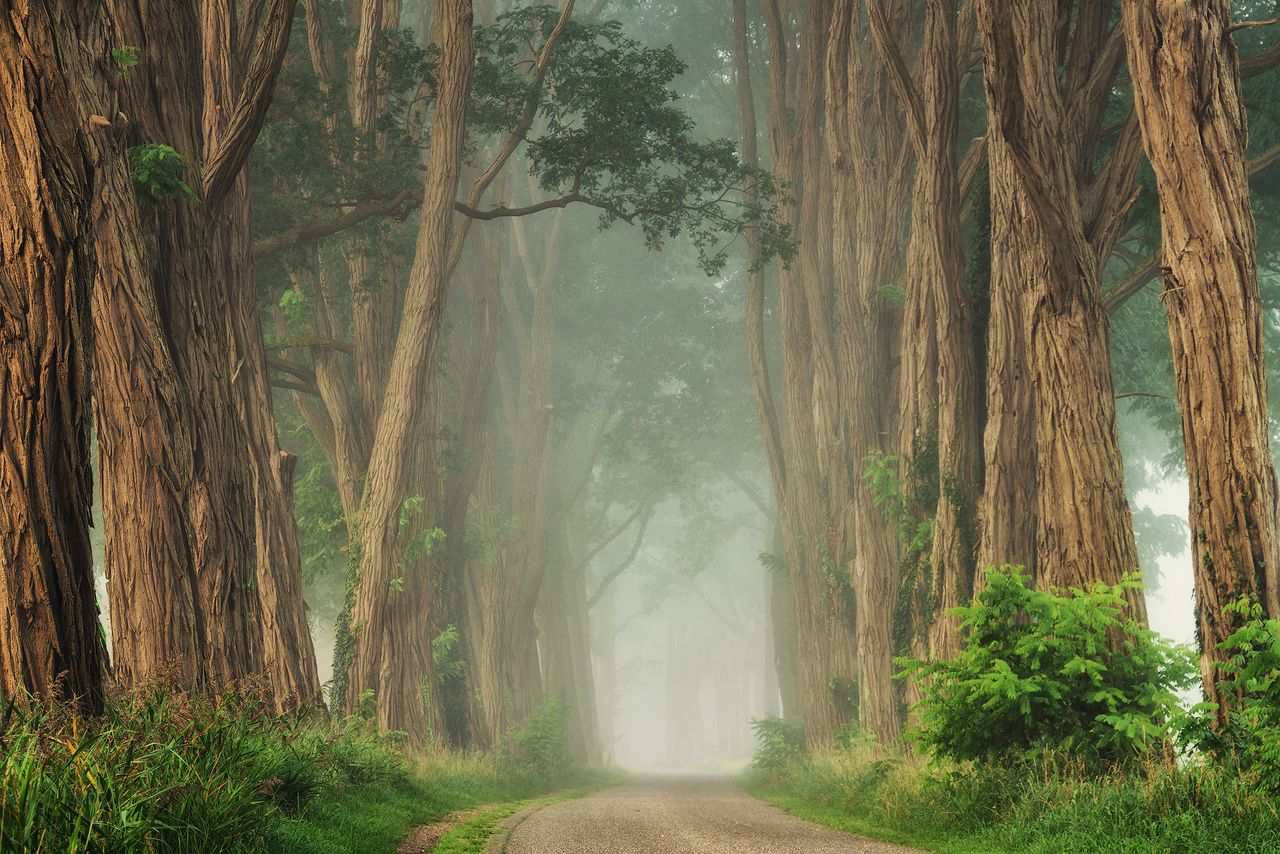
(1186, 84)
(939, 374)
(178, 496)
(827, 667)
(1052, 220)
(389, 659)
(51, 72)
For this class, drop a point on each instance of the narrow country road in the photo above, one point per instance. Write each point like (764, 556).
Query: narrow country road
(679, 815)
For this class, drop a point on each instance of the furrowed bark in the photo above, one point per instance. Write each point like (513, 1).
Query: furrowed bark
(384, 660)
(1187, 97)
(50, 643)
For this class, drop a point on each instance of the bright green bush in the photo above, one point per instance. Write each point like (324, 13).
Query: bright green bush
(1250, 739)
(779, 743)
(1044, 671)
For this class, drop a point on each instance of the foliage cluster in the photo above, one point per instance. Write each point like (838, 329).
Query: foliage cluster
(1250, 738)
(158, 172)
(539, 746)
(1050, 671)
(779, 743)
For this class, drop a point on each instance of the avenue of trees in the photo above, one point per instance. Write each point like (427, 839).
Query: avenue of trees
(904, 261)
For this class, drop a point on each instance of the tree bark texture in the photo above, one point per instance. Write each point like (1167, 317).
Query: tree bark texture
(385, 660)
(1083, 525)
(826, 665)
(1187, 95)
(288, 655)
(51, 645)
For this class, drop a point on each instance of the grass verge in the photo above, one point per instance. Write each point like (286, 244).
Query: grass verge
(1051, 807)
(472, 836)
(162, 775)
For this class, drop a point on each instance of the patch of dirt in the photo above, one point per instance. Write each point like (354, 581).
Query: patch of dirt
(424, 838)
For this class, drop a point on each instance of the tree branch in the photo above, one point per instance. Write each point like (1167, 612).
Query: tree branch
(1260, 61)
(645, 505)
(899, 74)
(617, 571)
(255, 97)
(1145, 270)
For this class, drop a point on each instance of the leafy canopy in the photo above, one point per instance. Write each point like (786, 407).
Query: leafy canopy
(610, 129)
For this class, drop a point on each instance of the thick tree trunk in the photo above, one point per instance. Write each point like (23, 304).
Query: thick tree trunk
(189, 296)
(288, 655)
(1084, 530)
(936, 225)
(388, 657)
(50, 643)
(869, 166)
(506, 588)
(1008, 509)
(1187, 95)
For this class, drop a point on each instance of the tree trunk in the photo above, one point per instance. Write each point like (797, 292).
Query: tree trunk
(826, 665)
(190, 298)
(941, 264)
(288, 655)
(1187, 95)
(388, 657)
(869, 166)
(50, 642)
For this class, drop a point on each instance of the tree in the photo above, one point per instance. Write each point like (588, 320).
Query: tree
(51, 83)
(178, 497)
(1187, 95)
(1053, 218)
(827, 667)
(388, 659)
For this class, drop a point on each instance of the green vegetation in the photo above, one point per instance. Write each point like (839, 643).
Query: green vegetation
(158, 172)
(1055, 730)
(163, 775)
(1052, 805)
(1044, 671)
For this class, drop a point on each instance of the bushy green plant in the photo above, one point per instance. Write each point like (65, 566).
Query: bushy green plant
(1249, 740)
(158, 172)
(540, 745)
(779, 743)
(1062, 671)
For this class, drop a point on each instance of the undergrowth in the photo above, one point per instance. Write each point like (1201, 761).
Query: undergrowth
(1051, 806)
(165, 775)
(1056, 729)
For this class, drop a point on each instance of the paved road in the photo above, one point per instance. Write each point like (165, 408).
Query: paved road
(679, 815)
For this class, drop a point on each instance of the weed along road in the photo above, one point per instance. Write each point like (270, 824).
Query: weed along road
(697, 814)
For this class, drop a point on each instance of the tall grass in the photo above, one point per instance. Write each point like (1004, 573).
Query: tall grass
(1051, 805)
(160, 775)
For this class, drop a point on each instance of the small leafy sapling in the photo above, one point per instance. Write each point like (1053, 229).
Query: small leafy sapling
(158, 172)
(126, 59)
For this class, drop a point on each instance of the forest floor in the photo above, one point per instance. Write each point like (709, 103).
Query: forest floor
(674, 815)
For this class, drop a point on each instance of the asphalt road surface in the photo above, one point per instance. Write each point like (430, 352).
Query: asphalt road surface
(679, 815)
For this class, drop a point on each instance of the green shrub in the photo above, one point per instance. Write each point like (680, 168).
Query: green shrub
(779, 743)
(158, 172)
(540, 745)
(1065, 672)
(1250, 739)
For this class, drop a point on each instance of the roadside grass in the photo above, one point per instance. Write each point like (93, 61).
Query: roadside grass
(472, 836)
(1047, 807)
(161, 774)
